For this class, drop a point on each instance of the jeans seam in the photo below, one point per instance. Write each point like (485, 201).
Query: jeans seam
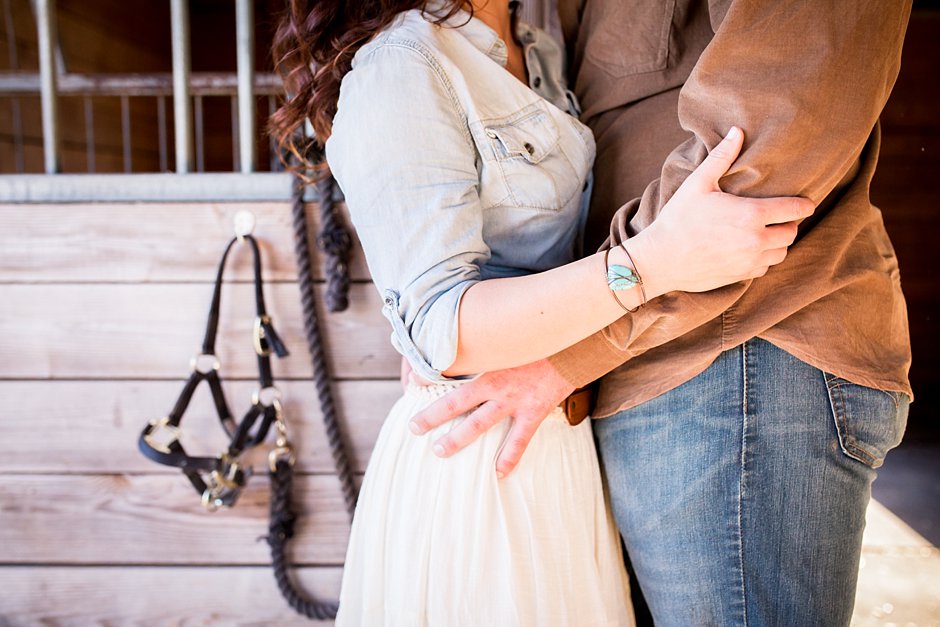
(741, 478)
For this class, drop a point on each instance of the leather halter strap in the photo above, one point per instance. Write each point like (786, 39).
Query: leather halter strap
(226, 476)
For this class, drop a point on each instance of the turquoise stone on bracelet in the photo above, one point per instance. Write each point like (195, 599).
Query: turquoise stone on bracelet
(622, 277)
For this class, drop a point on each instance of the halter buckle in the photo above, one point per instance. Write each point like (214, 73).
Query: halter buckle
(262, 347)
(172, 434)
(230, 473)
(282, 447)
(224, 485)
(285, 452)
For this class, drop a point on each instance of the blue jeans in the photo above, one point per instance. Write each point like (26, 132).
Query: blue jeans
(741, 494)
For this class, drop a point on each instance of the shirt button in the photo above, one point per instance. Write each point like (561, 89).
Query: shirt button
(491, 134)
(528, 148)
(537, 81)
(584, 189)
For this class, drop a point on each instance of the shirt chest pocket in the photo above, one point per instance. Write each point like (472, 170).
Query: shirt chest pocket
(525, 164)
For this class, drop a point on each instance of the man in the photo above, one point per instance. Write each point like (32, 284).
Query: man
(738, 429)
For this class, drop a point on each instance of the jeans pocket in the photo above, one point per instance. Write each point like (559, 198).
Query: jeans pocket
(869, 421)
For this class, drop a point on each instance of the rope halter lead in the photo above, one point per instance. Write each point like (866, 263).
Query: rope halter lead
(219, 480)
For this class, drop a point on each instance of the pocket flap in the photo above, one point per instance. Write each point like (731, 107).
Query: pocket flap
(531, 138)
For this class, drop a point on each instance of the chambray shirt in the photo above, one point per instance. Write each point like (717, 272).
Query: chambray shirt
(454, 171)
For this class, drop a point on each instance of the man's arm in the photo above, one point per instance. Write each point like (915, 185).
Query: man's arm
(806, 82)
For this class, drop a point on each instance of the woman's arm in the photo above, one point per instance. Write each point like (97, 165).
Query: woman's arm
(703, 240)
(402, 154)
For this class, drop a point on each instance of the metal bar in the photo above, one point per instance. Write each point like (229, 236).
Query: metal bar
(89, 135)
(61, 68)
(245, 40)
(233, 109)
(158, 84)
(126, 131)
(161, 131)
(200, 153)
(182, 114)
(14, 64)
(46, 27)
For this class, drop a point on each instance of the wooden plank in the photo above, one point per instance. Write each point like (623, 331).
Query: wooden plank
(151, 242)
(93, 426)
(121, 331)
(158, 519)
(128, 595)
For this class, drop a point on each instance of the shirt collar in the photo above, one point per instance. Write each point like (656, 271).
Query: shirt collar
(482, 36)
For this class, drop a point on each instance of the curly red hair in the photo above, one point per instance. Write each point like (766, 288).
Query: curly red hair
(313, 50)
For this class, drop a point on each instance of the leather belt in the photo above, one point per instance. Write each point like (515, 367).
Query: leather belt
(579, 404)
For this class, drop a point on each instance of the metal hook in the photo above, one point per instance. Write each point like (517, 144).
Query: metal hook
(244, 224)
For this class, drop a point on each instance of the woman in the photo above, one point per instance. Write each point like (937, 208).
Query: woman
(466, 174)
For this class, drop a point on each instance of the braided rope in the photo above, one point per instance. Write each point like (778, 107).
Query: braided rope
(280, 530)
(283, 517)
(317, 352)
(334, 242)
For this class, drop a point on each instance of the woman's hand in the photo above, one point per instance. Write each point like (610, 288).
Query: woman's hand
(704, 238)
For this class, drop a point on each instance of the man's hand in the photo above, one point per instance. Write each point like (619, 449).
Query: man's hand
(407, 374)
(527, 394)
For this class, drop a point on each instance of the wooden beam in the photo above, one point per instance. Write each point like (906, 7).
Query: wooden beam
(128, 331)
(132, 595)
(93, 426)
(152, 242)
(159, 519)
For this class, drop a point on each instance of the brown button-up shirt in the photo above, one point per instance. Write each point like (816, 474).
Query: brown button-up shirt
(660, 82)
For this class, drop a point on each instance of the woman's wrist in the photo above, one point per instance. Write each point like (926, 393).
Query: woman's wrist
(629, 297)
(640, 253)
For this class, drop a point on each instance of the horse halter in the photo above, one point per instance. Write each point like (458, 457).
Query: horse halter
(219, 480)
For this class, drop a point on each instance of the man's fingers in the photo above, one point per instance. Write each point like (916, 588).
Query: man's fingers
(469, 429)
(719, 159)
(783, 210)
(405, 373)
(518, 438)
(445, 409)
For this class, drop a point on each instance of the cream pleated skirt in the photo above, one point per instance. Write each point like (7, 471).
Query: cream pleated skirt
(444, 543)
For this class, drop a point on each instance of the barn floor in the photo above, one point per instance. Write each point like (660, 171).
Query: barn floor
(899, 582)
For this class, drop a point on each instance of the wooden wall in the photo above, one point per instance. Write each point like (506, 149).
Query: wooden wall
(102, 306)
(907, 189)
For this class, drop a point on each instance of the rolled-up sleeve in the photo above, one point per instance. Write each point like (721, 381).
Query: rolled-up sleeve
(403, 156)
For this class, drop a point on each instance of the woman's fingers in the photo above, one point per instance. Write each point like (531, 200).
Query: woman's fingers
(778, 235)
(718, 161)
(784, 209)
